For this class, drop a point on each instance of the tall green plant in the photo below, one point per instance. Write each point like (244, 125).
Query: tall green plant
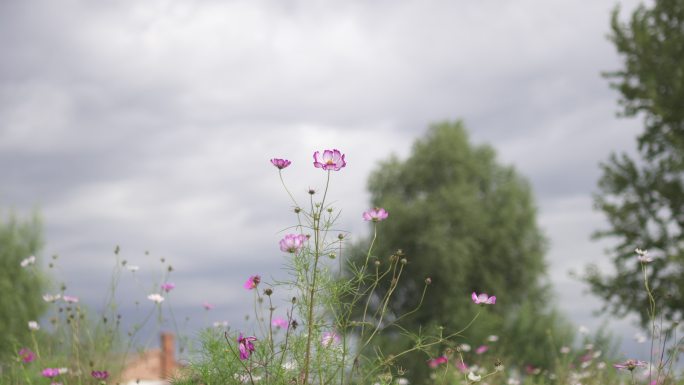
(642, 197)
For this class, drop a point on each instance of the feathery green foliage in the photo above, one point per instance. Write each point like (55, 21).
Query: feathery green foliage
(643, 199)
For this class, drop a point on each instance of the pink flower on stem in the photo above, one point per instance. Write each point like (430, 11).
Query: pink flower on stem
(462, 367)
(100, 374)
(50, 372)
(483, 299)
(27, 355)
(252, 282)
(207, 306)
(630, 365)
(280, 163)
(330, 160)
(245, 346)
(292, 243)
(329, 338)
(70, 299)
(481, 349)
(168, 286)
(435, 362)
(375, 215)
(279, 323)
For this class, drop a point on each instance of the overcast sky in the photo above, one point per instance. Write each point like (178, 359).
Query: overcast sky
(150, 124)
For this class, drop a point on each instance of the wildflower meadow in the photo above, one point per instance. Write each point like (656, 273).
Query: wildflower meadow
(314, 323)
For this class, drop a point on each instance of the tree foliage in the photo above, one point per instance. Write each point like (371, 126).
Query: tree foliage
(21, 288)
(469, 224)
(643, 198)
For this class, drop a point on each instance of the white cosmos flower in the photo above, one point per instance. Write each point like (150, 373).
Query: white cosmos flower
(33, 325)
(155, 298)
(28, 261)
(51, 298)
(474, 377)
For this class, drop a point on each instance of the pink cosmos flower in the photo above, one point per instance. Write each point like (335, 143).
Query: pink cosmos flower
(483, 299)
(329, 338)
(100, 374)
(375, 215)
(280, 163)
(435, 362)
(50, 372)
(330, 160)
(630, 364)
(27, 355)
(70, 299)
(292, 243)
(252, 282)
(207, 306)
(245, 346)
(168, 286)
(279, 323)
(462, 367)
(481, 349)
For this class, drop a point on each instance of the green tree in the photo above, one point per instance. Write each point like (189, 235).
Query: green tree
(469, 224)
(21, 288)
(643, 198)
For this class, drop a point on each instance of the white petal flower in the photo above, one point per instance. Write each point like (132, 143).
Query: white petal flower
(28, 261)
(155, 298)
(133, 268)
(33, 325)
(474, 377)
(51, 298)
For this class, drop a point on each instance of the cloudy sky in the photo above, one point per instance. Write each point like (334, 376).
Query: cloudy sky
(150, 124)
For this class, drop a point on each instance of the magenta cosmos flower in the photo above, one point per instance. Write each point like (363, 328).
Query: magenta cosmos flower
(207, 306)
(630, 365)
(483, 299)
(245, 346)
(292, 243)
(435, 362)
(375, 215)
(252, 282)
(27, 355)
(50, 372)
(279, 323)
(100, 374)
(168, 286)
(330, 160)
(280, 163)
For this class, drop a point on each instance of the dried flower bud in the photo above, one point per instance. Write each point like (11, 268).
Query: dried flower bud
(268, 291)
(403, 261)
(311, 191)
(297, 210)
(294, 300)
(428, 280)
(377, 263)
(340, 236)
(332, 255)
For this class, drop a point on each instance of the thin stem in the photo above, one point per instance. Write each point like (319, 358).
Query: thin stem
(280, 174)
(317, 254)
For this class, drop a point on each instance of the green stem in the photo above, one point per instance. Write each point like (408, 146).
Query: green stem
(317, 254)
